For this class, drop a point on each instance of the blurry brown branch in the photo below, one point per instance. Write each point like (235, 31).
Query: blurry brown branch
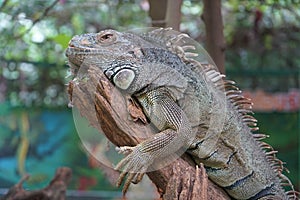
(42, 16)
(108, 111)
(56, 189)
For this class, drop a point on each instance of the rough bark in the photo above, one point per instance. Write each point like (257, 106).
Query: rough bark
(56, 189)
(215, 41)
(109, 111)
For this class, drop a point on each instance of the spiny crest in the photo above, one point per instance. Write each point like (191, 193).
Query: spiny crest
(159, 36)
(180, 45)
(244, 107)
(191, 53)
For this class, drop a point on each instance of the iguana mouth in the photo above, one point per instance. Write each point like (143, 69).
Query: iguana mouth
(76, 57)
(73, 61)
(73, 50)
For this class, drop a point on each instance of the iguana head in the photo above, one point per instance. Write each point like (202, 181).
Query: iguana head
(126, 59)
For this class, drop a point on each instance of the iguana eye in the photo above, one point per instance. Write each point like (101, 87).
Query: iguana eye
(106, 37)
(123, 78)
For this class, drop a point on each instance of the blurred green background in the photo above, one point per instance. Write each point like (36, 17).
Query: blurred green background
(37, 132)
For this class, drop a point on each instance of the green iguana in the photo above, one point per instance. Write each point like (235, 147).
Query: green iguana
(193, 107)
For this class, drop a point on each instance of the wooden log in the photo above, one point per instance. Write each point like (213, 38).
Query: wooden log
(124, 124)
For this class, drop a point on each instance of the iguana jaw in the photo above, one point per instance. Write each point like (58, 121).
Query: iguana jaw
(73, 68)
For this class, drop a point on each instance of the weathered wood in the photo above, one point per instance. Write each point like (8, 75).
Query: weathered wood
(114, 115)
(56, 189)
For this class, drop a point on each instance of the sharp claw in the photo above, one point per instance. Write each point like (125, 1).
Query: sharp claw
(127, 182)
(138, 177)
(120, 179)
(120, 164)
(124, 149)
(133, 166)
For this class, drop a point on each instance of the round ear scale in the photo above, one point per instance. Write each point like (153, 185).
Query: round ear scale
(123, 78)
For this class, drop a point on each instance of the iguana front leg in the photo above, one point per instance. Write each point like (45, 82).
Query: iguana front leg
(176, 134)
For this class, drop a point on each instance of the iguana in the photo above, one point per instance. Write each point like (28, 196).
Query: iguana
(193, 107)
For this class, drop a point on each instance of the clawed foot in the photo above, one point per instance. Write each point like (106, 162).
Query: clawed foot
(124, 150)
(134, 165)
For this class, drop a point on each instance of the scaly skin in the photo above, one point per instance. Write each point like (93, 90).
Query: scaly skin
(190, 104)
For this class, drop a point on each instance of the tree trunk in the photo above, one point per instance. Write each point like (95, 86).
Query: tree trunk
(181, 179)
(215, 42)
(157, 12)
(173, 15)
(165, 13)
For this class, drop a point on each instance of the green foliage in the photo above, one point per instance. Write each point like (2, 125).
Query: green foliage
(191, 12)
(261, 37)
(77, 21)
(62, 39)
(40, 33)
(283, 129)
(35, 34)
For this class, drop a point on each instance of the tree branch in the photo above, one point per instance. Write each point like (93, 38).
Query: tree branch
(54, 191)
(43, 15)
(215, 40)
(95, 93)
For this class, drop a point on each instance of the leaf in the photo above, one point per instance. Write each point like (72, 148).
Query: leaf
(78, 23)
(62, 39)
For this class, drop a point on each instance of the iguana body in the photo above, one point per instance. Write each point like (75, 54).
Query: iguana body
(192, 107)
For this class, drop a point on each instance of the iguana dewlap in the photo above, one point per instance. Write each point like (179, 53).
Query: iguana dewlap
(191, 105)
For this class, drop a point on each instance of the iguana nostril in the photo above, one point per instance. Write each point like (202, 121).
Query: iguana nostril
(85, 42)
